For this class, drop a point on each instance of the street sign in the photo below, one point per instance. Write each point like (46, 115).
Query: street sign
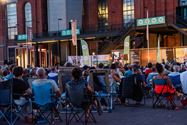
(69, 32)
(22, 37)
(151, 21)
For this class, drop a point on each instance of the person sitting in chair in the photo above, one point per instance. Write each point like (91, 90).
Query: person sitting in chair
(163, 86)
(79, 92)
(42, 79)
(21, 91)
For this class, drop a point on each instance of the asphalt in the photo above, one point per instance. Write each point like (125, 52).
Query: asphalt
(141, 115)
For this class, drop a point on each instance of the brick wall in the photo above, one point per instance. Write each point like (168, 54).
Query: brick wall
(156, 8)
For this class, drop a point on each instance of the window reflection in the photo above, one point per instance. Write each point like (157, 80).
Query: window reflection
(28, 15)
(12, 20)
(128, 11)
(103, 13)
(183, 2)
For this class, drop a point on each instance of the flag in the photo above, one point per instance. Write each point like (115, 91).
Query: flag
(158, 50)
(73, 30)
(126, 45)
(85, 52)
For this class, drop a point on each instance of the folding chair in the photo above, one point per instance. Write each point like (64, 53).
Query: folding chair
(132, 88)
(6, 102)
(8, 109)
(44, 103)
(175, 79)
(78, 103)
(99, 80)
(160, 99)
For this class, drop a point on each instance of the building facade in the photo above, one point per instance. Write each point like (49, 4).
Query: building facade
(32, 31)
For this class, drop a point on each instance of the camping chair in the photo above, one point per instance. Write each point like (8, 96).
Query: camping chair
(132, 88)
(175, 79)
(160, 98)
(79, 103)
(8, 109)
(44, 103)
(99, 80)
(6, 102)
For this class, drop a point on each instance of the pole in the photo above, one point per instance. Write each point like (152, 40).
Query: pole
(27, 45)
(147, 35)
(59, 47)
(158, 48)
(76, 53)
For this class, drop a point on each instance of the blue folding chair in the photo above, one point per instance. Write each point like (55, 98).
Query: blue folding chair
(6, 102)
(44, 102)
(175, 79)
(7, 109)
(102, 88)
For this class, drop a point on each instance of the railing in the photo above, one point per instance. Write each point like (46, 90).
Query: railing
(123, 32)
(90, 30)
(181, 20)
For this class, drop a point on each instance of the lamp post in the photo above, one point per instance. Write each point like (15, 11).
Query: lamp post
(59, 48)
(92, 59)
(147, 33)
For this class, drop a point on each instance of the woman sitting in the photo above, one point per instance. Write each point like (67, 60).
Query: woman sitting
(163, 86)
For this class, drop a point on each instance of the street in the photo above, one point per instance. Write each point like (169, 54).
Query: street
(143, 115)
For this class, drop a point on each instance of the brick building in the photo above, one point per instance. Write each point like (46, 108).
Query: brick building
(102, 23)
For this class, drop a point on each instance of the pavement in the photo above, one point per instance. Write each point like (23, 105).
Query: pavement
(142, 115)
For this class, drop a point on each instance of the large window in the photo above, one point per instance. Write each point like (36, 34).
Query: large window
(103, 13)
(128, 11)
(28, 16)
(183, 2)
(12, 20)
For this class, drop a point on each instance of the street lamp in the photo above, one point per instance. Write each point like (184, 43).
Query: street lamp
(147, 33)
(59, 48)
(59, 19)
(92, 57)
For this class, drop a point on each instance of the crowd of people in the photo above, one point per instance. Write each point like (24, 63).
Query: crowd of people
(157, 74)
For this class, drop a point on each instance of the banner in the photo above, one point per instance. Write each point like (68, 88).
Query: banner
(73, 30)
(158, 50)
(85, 52)
(126, 45)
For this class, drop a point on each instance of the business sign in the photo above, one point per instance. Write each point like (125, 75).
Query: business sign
(22, 37)
(69, 32)
(151, 21)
